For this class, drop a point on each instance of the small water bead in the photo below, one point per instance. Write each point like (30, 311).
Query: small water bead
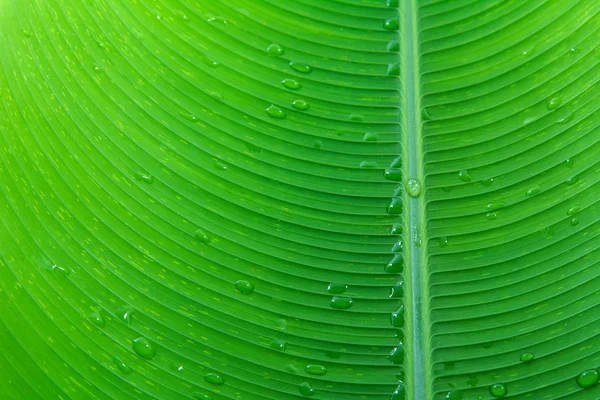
(397, 355)
(391, 24)
(306, 389)
(567, 118)
(215, 95)
(396, 229)
(572, 180)
(337, 288)
(215, 379)
(217, 19)
(60, 271)
(275, 112)
(188, 116)
(494, 206)
(396, 265)
(341, 303)
(395, 206)
(588, 378)
(498, 390)
(533, 191)
(244, 287)
(201, 396)
(143, 348)
(393, 174)
(357, 117)
(574, 221)
(291, 368)
(125, 314)
(554, 103)
(487, 182)
(211, 63)
(300, 67)
(455, 395)
(220, 165)
(398, 246)
(393, 69)
(26, 33)
(275, 49)
(300, 105)
(370, 137)
(182, 15)
(281, 324)
(124, 368)
(527, 357)
(569, 163)
(393, 46)
(368, 164)
(397, 291)
(397, 318)
(277, 344)
(413, 187)
(291, 84)
(443, 241)
(573, 50)
(465, 176)
(393, 3)
(97, 319)
(317, 144)
(399, 393)
(573, 210)
(425, 116)
(314, 369)
(200, 235)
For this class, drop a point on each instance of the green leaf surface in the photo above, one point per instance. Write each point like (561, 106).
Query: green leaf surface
(269, 199)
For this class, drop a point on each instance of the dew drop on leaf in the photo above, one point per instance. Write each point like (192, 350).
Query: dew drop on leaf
(300, 67)
(301, 105)
(393, 3)
(494, 206)
(217, 19)
(455, 395)
(397, 291)
(487, 182)
(393, 174)
(574, 221)
(291, 84)
(124, 368)
(413, 187)
(527, 357)
(396, 356)
(370, 137)
(391, 24)
(277, 344)
(314, 369)
(399, 393)
(392, 46)
(275, 49)
(201, 396)
(97, 319)
(464, 176)
(275, 112)
(393, 69)
(588, 378)
(395, 206)
(566, 119)
(554, 103)
(337, 288)
(201, 236)
(357, 117)
(306, 389)
(244, 287)
(573, 210)
(396, 265)
(291, 368)
(213, 378)
(569, 163)
(498, 390)
(397, 318)
(144, 348)
(341, 303)
(533, 191)
(368, 164)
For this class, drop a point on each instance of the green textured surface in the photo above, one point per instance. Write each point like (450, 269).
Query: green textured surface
(328, 199)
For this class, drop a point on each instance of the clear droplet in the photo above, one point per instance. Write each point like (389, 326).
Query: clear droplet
(413, 187)
(573, 210)
(306, 389)
(569, 163)
(527, 357)
(291, 368)
(588, 378)
(201, 236)
(300, 67)
(464, 176)
(217, 19)
(554, 103)
(188, 116)
(220, 165)
(370, 137)
(498, 390)
(125, 314)
(182, 15)
(277, 344)
(397, 318)
(393, 69)
(341, 303)
(60, 271)
(566, 119)
(396, 292)
(313, 369)
(275, 112)
(291, 84)
(202, 396)
(574, 221)
(275, 49)
(393, 174)
(244, 287)
(572, 180)
(391, 24)
(368, 164)
(211, 63)
(213, 378)
(494, 206)
(317, 144)
(396, 265)
(533, 191)
(124, 368)
(144, 348)
(300, 105)
(337, 288)
(97, 319)
(357, 117)
(399, 393)
(487, 182)
(393, 46)
(455, 395)
(395, 206)
(26, 33)
(393, 3)
(396, 356)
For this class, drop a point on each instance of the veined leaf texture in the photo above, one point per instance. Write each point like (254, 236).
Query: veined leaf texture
(287, 199)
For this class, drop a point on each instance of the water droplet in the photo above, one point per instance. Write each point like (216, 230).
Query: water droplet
(341, 303)
(201, 396)
(220, 165)
(158, 17)
(397, 318)
(569, 163)
(473, 381)
(313, 369)
(101, 44)
(213, 378)
(306, 389)
(300, 67)
(397, 355)
(125, 314)
(281, 324)
(393, 174)
(573, 50)
(498, 390)
(425, 116)
(357, 117)
(396, 229)
(215, 95)
(275, 112)
(217, 19)
(396, 265)
(391, 24)
(337, 288)
(60, 271)
(398, 246)
(210, 63)
(533, 191)
(574, 221)
(393, 69)
(291, 84)
(26, 33)
(143, 348)
(301, 105)
(527, 357)
(413, 187)
(275, 49)
(291, 368)
(182, 15)
(397, 291)
(554, 103)
(124, 368)
(97, 319)
(368, 164)
(443, 241)
(487, 182)
(588, 378)
(393, 3)
(370, 137)
(464, 176)
(573, 210)
(395, 206)
(417, 239)
(566, 119)
(188, 116)
(399, 393)
(455, 395)
(244, 287)
(201, 236)
(277, 345)
(528, 51)
(494, 206)
(393, 46)
(572, 180)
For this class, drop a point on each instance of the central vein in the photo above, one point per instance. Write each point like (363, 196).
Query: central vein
(417, 328)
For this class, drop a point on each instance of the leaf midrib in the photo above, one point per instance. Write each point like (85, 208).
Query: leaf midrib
(416, 279)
